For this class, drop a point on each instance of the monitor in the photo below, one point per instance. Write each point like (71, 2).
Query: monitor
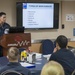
(38, 15)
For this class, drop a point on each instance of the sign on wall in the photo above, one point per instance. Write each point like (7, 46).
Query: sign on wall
(70, 17)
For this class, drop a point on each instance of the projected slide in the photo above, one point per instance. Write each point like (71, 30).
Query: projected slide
(37, 15)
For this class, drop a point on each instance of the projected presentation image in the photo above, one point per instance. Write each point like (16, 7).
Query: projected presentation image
(37, 15)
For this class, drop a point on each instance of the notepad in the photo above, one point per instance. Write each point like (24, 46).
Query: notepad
(27, 65)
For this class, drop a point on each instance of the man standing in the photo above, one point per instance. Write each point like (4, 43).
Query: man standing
(63, 56)
(3, 26)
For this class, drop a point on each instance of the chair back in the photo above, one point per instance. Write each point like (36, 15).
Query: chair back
(73, 73)
(47, 47)
(10, 72)
(54, 43)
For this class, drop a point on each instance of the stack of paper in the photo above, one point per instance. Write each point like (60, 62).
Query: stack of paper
(27, 65)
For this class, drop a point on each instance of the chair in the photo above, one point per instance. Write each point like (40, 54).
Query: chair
(10, 72)
(54, 43)
(72, 49)
(73, 73)
(47, 47)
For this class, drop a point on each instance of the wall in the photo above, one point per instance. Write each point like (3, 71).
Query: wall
(9, 6)
(66, 7)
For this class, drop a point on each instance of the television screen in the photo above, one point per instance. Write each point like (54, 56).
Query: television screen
(38, 15)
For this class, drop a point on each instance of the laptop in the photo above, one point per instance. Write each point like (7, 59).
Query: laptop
(16, 30)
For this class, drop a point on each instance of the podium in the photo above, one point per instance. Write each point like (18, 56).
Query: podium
(19, 40)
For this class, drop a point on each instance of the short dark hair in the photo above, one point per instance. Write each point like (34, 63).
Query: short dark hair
(62, 41)
(2, 13)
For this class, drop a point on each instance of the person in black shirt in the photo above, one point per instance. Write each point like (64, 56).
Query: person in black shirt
(3, 26)
(63, 55)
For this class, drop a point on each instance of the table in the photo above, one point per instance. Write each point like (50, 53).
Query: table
(35, 71)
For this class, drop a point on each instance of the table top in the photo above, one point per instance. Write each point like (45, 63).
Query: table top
(38, 64)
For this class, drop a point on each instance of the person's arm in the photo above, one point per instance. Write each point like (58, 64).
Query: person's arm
(52, 57)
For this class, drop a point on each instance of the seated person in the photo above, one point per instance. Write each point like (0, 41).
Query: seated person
(23, 55)
(63, 55)
(52, 68)
(13, 56)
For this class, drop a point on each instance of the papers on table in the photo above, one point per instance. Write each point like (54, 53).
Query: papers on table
(27, 65)
(38, 55)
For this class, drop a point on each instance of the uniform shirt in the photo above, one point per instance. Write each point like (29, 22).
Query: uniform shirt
(3, 27)
(15, 66)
